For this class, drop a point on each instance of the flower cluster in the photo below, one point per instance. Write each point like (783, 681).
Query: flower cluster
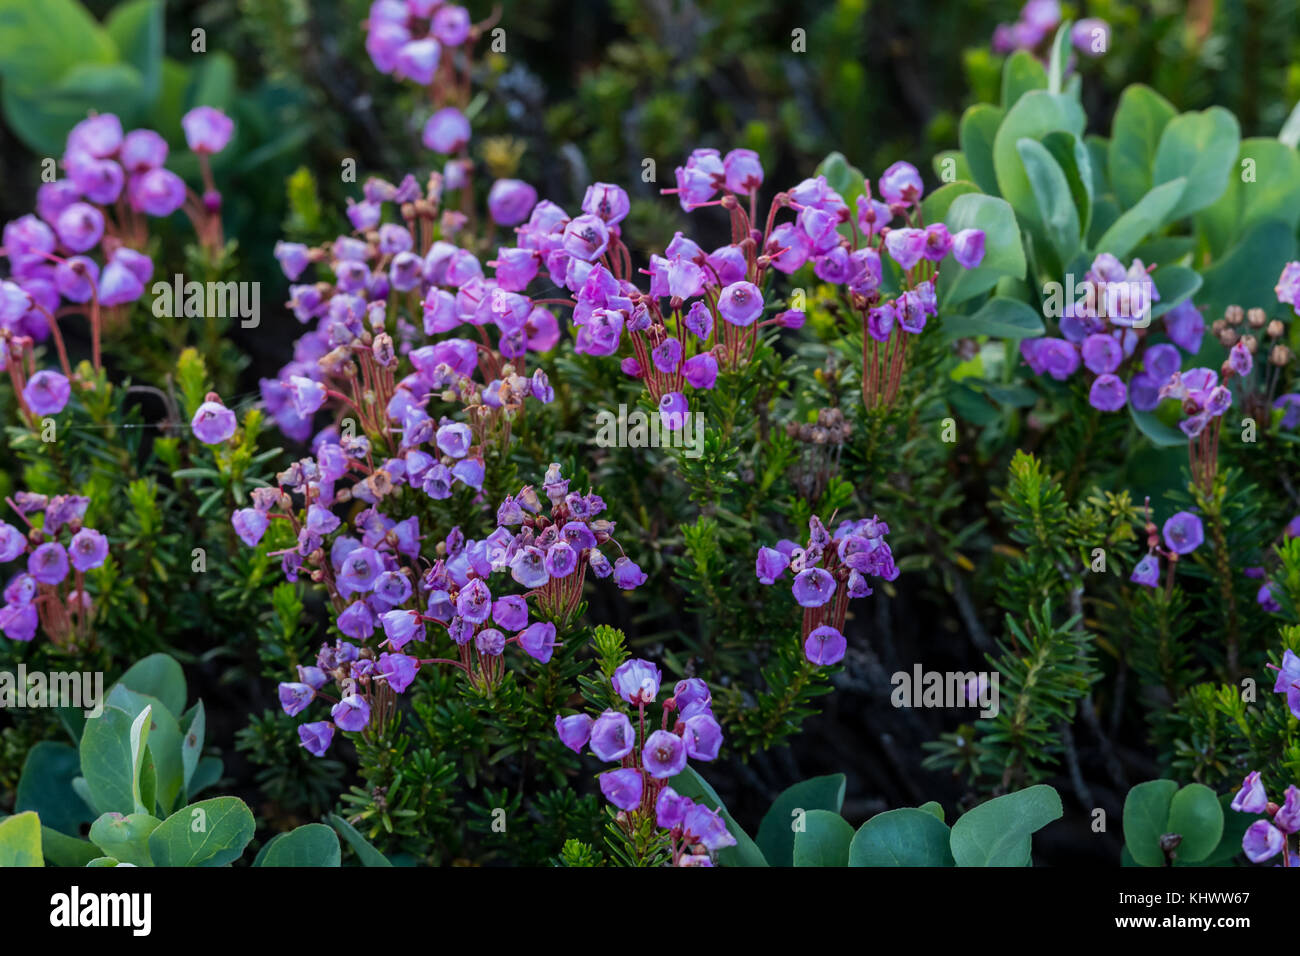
(364, 358)
(52, 591)
(84, 245)
(378, 583)
(1265, 839)
(1105, 332)
(687, 729)
(551, 553)
(1182, 534)
(828, 571)
(1037, 24)
(428, 42)
(702, 310)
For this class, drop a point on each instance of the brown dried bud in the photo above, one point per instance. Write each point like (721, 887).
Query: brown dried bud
(1228, 338)
(1234, 314)
(1280, 355)
(1275, 329)
(1257, 318)
(1218, 325)
(1251, 343)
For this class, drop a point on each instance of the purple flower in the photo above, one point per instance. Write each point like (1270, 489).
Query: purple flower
(80, 226)
(1262, 841)
(48, 564)
(510, 201)
(610, 203)
(490, 642)
(968, 248)
(316, 737)
(813, 587)
(357, 621)
(474, 603)
(1251, 798)
(627, 575)
(825, 646)
(702, 825)
(673, 410)
(770, 565)
(1057, 357)
(1240, 359)
(294, 698)
(352, 713)
(1147, 571)
(664, 755)
(158, 192)
(1102, 354)
(538, 640)
(89, 549)
(637, 681)
(667, 355)
(612, 736)
(401, 627)
(740, 303)
(1108, 393)
(701, 370)
(528, 567)
(622, 788)
(12, 542)
(213, 423)
(1288, 286)
(901, 183)
(699, 320)
(905, 246)
(1090, 36)
(744, 171)
(142, 149)
(446, 131)
(702, 736)
(574, 731)
(511, 612)
(207, 130)
(1184, 533)
(1288, 679)
(417, 60)
(100, 136)
(938, 242)
(1185, 326)
(586, 238)
(1287, 818)
(47, 393)
(359, 570)
(671, 807)
(398, 670)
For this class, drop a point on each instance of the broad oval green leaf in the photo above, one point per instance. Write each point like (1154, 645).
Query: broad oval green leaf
(208, 833)
(998, 833)
(1200, 148)
(311, 845)
(20, 840)
(125, 838)
(1146, 818)
(1140, 119)
(1195, 814)
(903, 837)
(824, 840)
(1137, 223)
(776, 831)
